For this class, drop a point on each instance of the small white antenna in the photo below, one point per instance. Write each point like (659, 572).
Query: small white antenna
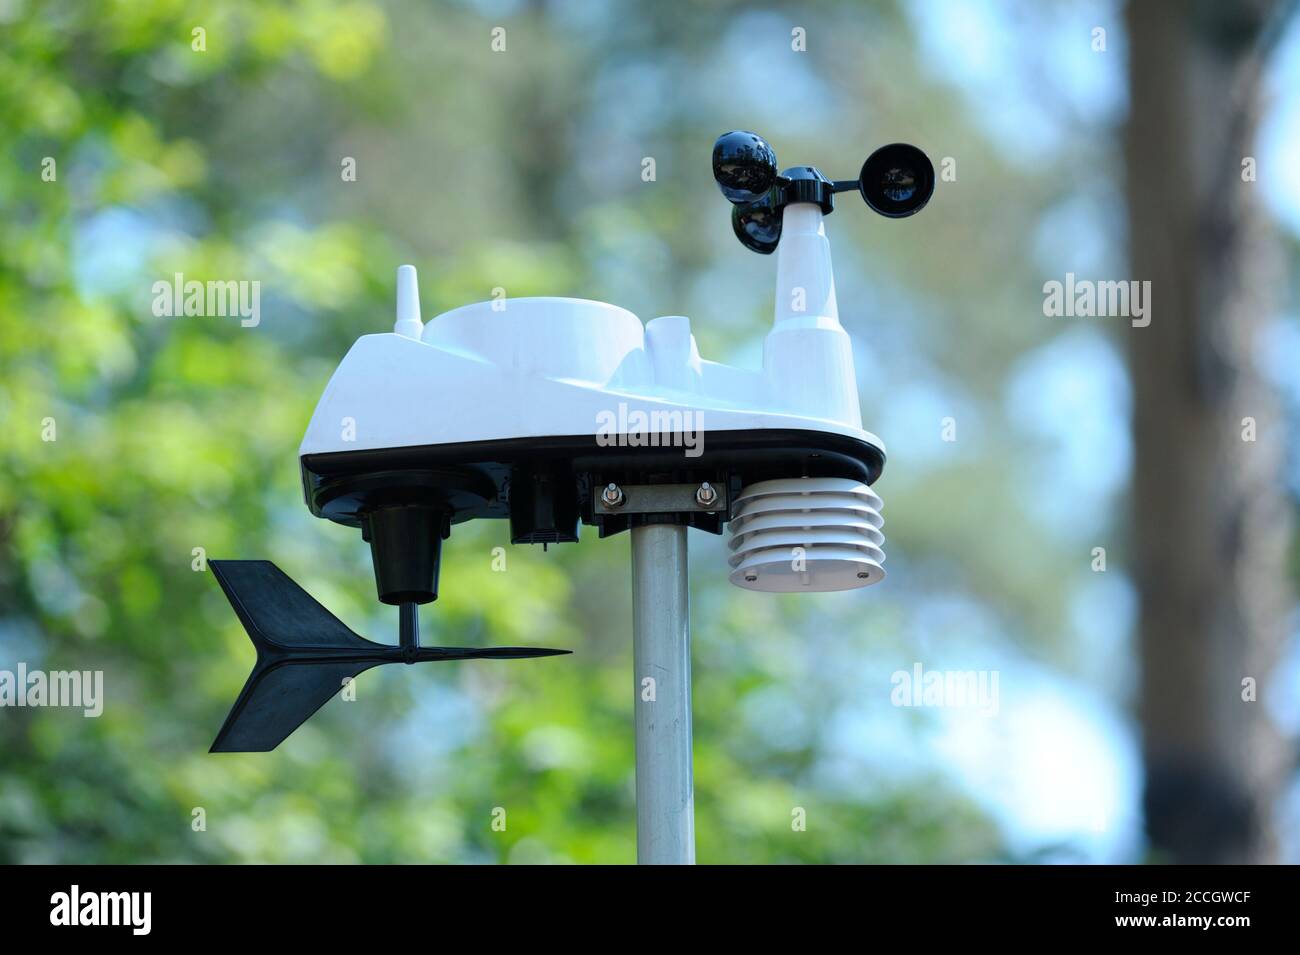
(408, 303)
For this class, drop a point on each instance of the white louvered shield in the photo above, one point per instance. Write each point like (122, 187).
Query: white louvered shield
(806, 534)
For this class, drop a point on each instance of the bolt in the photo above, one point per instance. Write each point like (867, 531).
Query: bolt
(613, 495)
(863, 574)
(705, 495)
(751, 577)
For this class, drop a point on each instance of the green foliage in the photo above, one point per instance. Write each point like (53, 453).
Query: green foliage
(175, 433)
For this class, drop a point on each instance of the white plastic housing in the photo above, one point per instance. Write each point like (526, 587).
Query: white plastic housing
(552, 367)
(537, 367)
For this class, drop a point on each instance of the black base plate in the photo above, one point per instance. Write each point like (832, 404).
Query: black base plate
(474, 479)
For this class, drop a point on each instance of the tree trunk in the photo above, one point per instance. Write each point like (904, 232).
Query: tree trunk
(1211, 519)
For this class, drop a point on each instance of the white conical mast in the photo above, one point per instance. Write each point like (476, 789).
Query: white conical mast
(408, 303)
(807, 357)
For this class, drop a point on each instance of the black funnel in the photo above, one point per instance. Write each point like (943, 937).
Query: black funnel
(406, 546)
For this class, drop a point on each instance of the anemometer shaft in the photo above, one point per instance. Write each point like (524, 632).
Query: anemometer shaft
(808, 357)
(661, 642)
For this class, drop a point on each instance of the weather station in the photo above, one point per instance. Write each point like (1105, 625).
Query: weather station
(549, 413)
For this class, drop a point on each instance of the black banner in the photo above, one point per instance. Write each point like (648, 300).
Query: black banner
(255, 904)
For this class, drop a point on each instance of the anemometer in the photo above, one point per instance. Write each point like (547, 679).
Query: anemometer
(503, 412)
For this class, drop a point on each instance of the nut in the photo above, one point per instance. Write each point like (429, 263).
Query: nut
(706, 496)
(613, 495)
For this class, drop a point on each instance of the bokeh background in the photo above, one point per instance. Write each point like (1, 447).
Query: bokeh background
(1121, 733)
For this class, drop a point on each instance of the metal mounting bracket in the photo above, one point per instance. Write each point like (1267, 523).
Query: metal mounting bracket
(661, 499)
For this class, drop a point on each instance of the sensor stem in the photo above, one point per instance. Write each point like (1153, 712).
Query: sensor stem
(409, 630)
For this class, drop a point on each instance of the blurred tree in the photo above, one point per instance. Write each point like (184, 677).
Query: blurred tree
(1210, 517)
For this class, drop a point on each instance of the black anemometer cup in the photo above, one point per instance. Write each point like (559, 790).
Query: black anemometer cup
(896, 181)
(744, 166)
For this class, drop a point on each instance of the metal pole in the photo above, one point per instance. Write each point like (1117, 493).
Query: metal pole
(661, 652)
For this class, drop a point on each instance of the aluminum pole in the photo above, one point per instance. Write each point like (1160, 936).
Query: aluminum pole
(661, 652)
